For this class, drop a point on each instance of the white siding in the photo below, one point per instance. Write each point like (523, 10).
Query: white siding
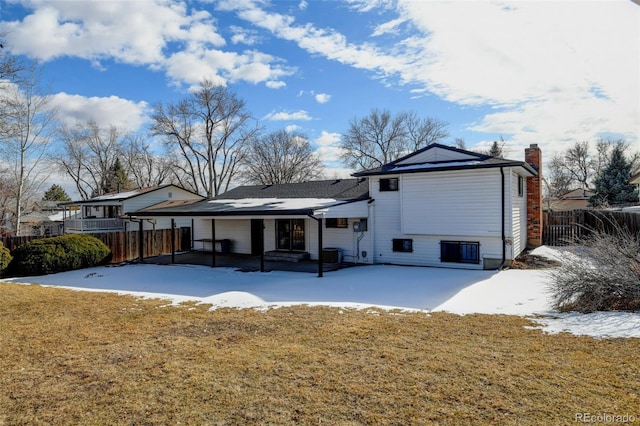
(158, 196)
(438, 206)
(456, 203)
(155, 197)
(518, 217)
(236, 230)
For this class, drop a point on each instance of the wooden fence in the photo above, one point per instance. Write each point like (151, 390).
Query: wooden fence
(126, 245)
(568, 227)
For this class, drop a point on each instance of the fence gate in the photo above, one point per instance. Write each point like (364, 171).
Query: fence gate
(562, 228)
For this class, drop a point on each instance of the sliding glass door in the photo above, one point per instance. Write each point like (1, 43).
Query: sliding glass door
(290, 234)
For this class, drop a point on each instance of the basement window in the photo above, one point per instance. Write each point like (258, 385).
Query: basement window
(389, 184)
(403, 245)
(339, 222)
(460, 252)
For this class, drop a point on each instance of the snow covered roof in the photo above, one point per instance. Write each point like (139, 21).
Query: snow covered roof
(300, 199)
(436, 157)
(244, 207)
(121, 196)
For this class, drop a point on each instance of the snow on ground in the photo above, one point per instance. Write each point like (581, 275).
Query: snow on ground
(511, 292)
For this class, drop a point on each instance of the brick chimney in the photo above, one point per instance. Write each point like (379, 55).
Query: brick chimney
(533, 156)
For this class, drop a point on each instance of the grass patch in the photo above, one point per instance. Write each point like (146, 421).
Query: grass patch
(71, 357)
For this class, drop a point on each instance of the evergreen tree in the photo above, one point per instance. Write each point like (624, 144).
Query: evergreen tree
(56, 193)
(117, 179)
(495, 150)
(612, 185)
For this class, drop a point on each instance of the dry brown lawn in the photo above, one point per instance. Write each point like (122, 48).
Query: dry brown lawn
(98, 359)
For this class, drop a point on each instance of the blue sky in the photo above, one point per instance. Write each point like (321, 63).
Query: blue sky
(541, 72)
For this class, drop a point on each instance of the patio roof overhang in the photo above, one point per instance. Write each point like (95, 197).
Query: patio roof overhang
(267, 208)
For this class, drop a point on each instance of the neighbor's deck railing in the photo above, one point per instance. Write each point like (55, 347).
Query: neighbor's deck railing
(93, 225)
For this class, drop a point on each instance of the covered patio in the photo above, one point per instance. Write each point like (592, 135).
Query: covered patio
(240, 262)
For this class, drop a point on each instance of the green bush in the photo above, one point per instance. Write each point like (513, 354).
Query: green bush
(57, 254)
(5, 257)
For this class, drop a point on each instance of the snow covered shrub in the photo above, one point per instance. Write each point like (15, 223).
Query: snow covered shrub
(57, 254)
(603, 276)
(5, 257)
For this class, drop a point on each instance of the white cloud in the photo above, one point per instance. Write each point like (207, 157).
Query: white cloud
(551, 77)
(275, 84)
(328, 139)
(291, 116)
(243, 35)
(141, 33)
(223, 67)
(328, 148)
(133, 32)
(388, 27)
(322, 98)
(291, 128)
(122, 113)
(303, 5)
(524, 59)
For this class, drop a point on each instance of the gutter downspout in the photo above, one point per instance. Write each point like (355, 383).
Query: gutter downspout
(504, 242)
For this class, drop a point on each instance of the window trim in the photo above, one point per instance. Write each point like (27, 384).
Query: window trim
(336, 222)
(520, 186)
(386, 186)
(402, 245)
(459, 258)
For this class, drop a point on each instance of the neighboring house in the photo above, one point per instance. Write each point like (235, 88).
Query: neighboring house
(46, 220)
(439, 206)
(635, 180)
(577, 199)
(108, 213)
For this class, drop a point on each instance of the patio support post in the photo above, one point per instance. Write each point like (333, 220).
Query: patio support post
(173, 240)
(262, 245)
(213, 243)
(141, 238)
(320, 260)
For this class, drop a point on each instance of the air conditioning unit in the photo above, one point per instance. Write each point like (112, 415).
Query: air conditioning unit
(332, 255)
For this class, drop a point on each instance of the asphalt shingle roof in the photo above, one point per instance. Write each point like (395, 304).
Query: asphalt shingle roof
(338, 189)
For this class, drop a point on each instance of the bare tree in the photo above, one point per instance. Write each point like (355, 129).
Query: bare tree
(7, 201)
(25, 132)
(557, 179)
(209, 131)
(579, 163)
(380, 138)
(10, 65)
(144, 167)
(281, 157)
(460, 143)
(87, 153)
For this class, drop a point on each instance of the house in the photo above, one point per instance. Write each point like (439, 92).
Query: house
(108, 213)
(576, 199)
(280, 221)
(439, 206)
(46, 220)
(443, 206)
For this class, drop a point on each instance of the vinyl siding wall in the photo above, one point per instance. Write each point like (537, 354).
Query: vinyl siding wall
(154, 197)
(518, 217)
(432, 207)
